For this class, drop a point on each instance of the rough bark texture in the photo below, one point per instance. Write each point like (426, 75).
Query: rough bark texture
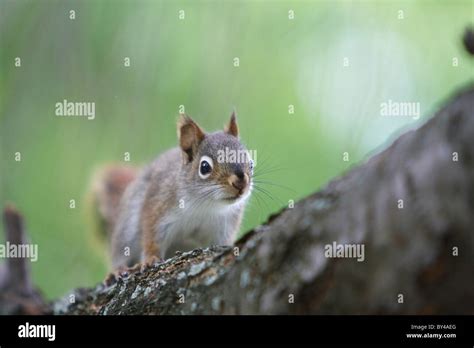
(423, 251)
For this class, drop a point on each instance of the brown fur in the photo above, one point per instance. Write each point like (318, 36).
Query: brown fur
(150, 221)
(109, 185)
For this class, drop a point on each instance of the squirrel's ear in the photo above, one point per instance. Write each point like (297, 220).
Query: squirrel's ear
(190, 135)
(232, 128)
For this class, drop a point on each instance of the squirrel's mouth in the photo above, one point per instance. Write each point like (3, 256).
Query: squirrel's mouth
(238, 196)
(232, 198)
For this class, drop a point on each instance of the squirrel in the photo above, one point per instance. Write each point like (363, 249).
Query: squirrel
(188, 197)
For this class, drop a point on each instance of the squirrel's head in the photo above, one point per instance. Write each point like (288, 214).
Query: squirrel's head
(220, 167)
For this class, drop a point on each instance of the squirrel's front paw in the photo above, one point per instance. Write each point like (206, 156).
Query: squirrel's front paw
(112, 277)
(151, 261)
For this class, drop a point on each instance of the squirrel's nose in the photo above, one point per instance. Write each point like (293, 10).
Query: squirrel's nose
(239, 181)
(240, 174)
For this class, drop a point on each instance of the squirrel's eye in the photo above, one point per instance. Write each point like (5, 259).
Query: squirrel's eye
(251, 164)
(205, 167)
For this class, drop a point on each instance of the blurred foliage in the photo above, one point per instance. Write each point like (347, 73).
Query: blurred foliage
(190, 62)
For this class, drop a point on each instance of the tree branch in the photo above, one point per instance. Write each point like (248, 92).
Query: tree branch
(411, 207)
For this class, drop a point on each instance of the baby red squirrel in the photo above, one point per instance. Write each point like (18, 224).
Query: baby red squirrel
(190, 196)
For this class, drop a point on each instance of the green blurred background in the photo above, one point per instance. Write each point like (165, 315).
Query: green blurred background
(190, 62)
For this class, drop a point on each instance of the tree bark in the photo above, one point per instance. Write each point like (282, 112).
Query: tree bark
(418, 257)
(411, 208)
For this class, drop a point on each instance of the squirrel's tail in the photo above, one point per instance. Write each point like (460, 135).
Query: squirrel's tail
(106, 190)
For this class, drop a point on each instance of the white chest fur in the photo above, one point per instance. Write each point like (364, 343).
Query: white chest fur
(196, 226)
